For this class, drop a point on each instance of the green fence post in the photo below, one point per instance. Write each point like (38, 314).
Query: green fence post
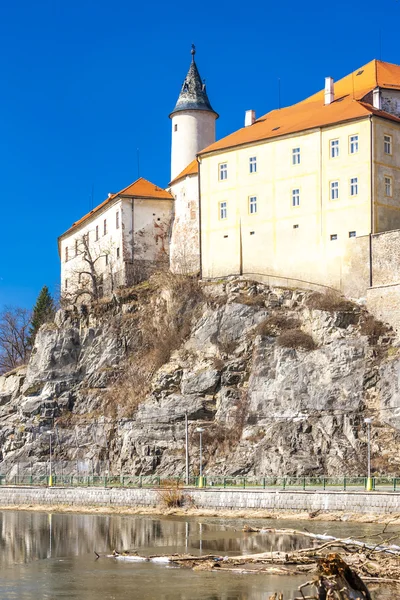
(344, 483)
(224, 482)
(304, 484)
(264, 483)
(244, 482)
(284, 483)
(394, 484)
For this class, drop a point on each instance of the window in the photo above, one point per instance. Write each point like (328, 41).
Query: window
(117, 220)
(66, 254)
(352, 234)
(76, 247)
(252, 232)
(105, 227)
(296, 197)
(66, 284)
(175, 127)
(253, 164)
(333, 237)
(388, 186)
(334, 190)
(223, 212)
(334, 148)
(296, 156)
(252, 205)
(117, 252)
(295, 226)
(354, 186)
(387, 144)
(353, 144)
(106, 259)
(97, 232)
(223, 171)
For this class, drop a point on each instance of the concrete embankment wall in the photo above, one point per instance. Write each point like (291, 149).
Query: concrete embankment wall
(374, 502)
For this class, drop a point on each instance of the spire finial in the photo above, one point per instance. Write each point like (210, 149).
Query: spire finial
(193, 52)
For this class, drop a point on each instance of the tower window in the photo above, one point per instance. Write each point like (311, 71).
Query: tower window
(334, 190)
(296, 156)
(387, 144)
(252, 205)
(333, 237)
(334, 148)
(223, 211)
(176, 127)
(253, 164)
(354, 186)
(295, 226)
(352, 234)
(296, 197)
(223, 171)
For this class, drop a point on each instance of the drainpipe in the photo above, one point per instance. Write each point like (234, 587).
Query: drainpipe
(199, 193)
(372, 199)
(133, 232)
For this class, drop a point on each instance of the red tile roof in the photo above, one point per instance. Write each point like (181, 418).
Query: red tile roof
(141, 188)
(312, 112)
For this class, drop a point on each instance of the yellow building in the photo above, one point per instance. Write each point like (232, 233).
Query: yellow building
(293, 194)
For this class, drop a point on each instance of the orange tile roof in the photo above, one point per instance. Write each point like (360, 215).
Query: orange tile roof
(191, 169)
(312, 112)
(141, 188)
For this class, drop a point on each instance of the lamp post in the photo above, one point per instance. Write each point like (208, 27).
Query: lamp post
(200, 430)
(368, 422)
(50, 433)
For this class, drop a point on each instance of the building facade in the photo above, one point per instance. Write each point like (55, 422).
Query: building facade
(118, 243)
(288, 196)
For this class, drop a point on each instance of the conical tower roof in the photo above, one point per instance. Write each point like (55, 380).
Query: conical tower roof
(193, 94)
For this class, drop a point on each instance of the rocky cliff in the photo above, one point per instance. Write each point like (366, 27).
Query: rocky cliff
(280, 379)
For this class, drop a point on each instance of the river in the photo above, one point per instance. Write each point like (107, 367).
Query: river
(51, 556)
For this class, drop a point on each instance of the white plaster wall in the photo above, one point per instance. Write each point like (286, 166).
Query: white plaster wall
(151, 224)
(184, 247)
(195, 131)
(108, 243)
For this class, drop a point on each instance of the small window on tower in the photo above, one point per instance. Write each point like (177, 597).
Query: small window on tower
(176, 127)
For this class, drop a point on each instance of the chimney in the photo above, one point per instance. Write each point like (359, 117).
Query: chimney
(329, 90)
(249, 117)
(376, 98)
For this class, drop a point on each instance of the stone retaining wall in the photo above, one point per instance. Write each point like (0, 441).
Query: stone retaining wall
(375, 502)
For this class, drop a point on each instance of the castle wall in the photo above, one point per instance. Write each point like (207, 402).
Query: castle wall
(184, 246)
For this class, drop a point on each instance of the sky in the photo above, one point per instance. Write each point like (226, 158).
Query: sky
(87, 87)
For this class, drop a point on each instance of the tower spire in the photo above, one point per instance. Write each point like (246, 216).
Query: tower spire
(193, 52)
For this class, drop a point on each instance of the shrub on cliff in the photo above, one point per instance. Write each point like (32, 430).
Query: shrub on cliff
(330, 301)
(296, 338)
(273, 324)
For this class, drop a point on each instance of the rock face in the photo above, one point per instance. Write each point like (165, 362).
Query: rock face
(268, 407)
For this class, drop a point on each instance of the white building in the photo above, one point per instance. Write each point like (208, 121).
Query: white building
(119, 242)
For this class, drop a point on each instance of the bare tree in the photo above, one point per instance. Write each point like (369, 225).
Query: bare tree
(87, 276)
(14, 338)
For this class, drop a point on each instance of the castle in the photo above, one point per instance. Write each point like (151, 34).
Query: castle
(304, 196)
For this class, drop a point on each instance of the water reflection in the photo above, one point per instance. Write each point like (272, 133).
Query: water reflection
(45, 556)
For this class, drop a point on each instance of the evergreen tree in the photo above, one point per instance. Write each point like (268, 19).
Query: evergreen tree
(43, 312)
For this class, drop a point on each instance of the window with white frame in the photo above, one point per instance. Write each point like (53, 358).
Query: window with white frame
(295, 156)
(223, 210)
(253, 164)
(252, 205)
(296, 197)
(388, 186)
(334, 190)
(353, 144)
(354, 186)
(223, 171)
(387, 144)
(334, 148)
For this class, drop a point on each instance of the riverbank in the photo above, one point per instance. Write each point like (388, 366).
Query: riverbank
(159, 511)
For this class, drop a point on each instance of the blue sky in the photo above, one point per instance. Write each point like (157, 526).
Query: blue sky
(85, 84)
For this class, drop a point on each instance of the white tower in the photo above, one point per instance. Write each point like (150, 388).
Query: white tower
(193, 121)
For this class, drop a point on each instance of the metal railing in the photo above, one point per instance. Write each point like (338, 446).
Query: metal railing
(317, 483)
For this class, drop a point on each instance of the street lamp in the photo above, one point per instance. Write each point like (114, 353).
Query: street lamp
(50, 433)
(200, 430)
(368, 422)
